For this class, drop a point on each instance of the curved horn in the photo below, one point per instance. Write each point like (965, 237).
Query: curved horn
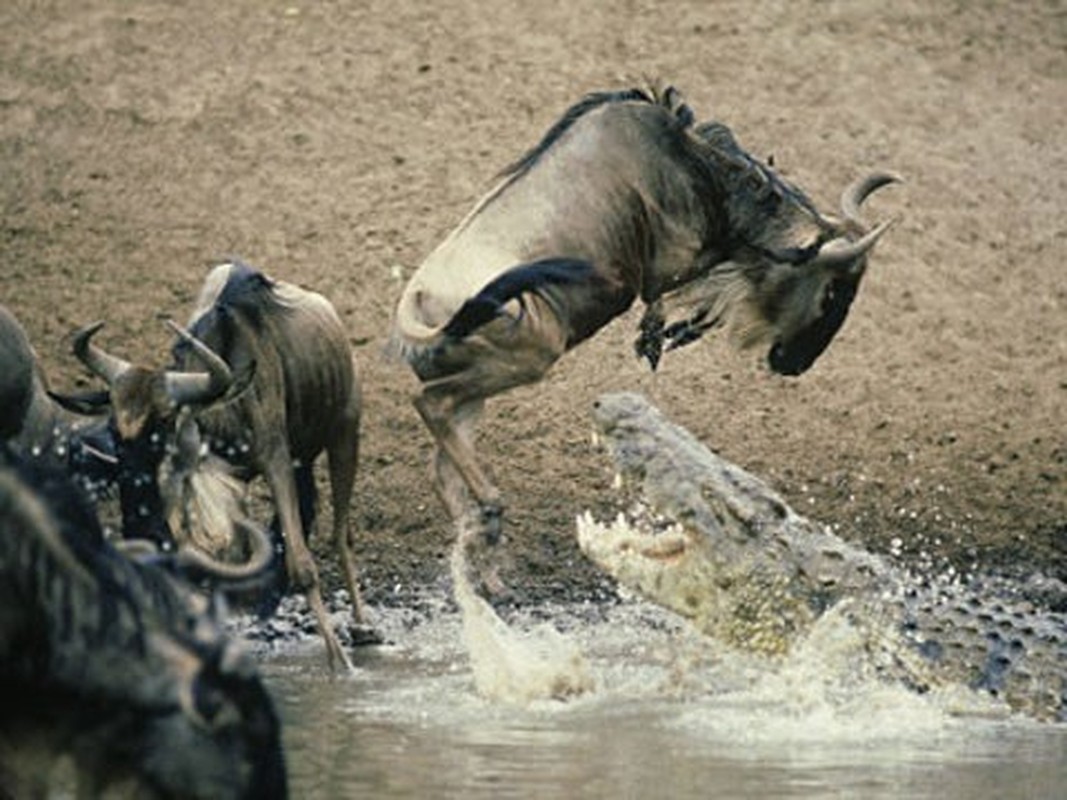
(858, 191)
(197, 387)
(103, 365)
(198, 565)
(842, 252)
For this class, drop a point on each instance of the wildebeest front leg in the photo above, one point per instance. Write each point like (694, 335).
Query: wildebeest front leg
(300, 564)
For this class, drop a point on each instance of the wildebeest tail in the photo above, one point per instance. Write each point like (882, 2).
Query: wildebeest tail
(489, 303)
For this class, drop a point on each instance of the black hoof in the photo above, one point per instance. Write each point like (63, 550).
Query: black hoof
(492, 524)
(364, 635)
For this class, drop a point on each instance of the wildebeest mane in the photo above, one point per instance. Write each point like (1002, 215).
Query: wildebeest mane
(667, 97)
(748, 182)
(248, 294)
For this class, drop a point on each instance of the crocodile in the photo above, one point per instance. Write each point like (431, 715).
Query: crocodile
(718, 546)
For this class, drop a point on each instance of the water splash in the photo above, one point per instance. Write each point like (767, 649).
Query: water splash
(830, 689)
(511, 666)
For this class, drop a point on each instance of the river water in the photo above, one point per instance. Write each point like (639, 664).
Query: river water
(664, 714)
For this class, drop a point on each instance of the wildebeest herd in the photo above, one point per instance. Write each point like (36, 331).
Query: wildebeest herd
(113, 652)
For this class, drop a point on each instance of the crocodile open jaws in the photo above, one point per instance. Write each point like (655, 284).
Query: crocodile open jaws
(717, 545)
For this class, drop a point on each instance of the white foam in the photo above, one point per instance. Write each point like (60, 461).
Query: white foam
(511, 666)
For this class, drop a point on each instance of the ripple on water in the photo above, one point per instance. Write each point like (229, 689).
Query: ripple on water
(670, 714)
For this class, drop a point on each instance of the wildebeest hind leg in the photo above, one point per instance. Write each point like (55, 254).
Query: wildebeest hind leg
(466, 514)
(449, 482)
(450, 426)
(343, 457)
(506, 353)
(450, 487)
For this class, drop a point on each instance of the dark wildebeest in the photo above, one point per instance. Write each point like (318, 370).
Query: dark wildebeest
(626, 197)
(116, 664)
(40, 428)
(302, 398)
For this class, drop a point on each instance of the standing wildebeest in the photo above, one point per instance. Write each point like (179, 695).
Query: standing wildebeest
(303, 397)
(116, 664)
(624, 198)
(39, 427)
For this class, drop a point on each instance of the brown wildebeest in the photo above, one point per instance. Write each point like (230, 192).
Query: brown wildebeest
(302, 398)
(625, 197)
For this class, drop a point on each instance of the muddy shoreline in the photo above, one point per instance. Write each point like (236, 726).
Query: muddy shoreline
(334, 144)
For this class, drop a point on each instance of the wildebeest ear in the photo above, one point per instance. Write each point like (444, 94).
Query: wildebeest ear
(89, 404)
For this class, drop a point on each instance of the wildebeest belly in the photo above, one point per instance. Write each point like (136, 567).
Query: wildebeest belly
(319, 387)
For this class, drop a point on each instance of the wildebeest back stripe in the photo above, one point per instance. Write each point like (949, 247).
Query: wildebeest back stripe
(572, 114)
(489, 302)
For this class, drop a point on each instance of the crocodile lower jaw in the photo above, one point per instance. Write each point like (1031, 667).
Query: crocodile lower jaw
(642, 551)
(739, 604)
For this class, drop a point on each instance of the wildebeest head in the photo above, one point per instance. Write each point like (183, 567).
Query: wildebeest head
(140, 396)
(116, 663)
(803, 269)
(145, 414)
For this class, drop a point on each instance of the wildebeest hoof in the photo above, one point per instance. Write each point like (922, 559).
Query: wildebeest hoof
(364, 635)
(492, 523)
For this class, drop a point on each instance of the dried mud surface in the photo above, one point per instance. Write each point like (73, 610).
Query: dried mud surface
(333, 144)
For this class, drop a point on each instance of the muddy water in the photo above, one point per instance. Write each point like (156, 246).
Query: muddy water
(664, 714)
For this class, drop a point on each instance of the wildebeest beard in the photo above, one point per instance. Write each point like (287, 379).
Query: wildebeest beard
(139, 497)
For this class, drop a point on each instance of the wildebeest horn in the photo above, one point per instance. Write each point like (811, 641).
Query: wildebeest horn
(858, 191)
(197, 387)
(104, 365)
(842, 252)
(197, 565)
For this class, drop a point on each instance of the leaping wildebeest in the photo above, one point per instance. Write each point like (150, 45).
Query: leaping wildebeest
(301, 397)
(625, 197)
(115, 664)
